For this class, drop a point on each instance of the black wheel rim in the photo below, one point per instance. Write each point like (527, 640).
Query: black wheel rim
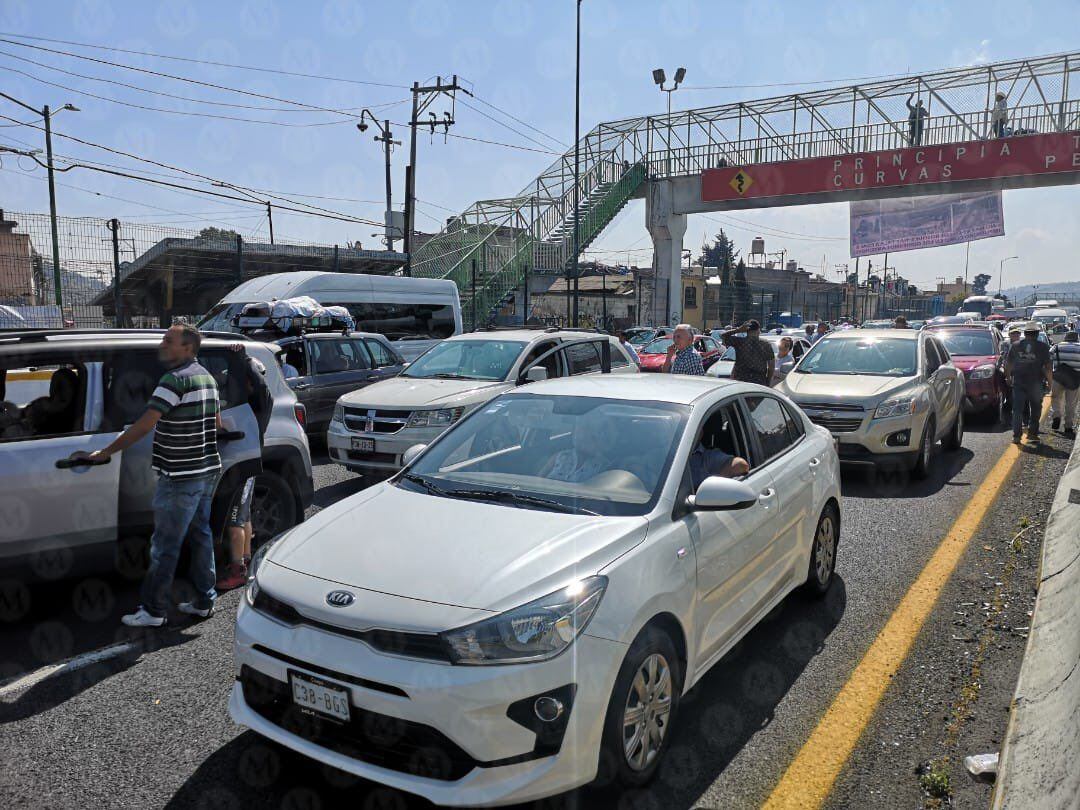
(267, 512)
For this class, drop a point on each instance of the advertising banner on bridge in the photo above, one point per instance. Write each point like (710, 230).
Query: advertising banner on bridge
(990, 164)
(911, 223)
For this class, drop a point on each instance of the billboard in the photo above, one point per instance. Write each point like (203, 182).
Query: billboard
(937, 168)
(911, 223)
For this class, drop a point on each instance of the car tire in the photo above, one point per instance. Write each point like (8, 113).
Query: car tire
(632, 763)
(273, 507)
(819, 574)
(925, 458)
(955, 440)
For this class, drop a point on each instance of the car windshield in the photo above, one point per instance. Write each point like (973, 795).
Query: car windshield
(641, 338)
(561, 453)
(219, 319)
(467, 360)
(658, 346)
(883, 357)
(966, 344)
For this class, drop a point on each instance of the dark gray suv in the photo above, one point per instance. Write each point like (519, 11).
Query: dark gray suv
(66, 391)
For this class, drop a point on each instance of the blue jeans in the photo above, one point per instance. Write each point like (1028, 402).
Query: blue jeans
(181, 509)
(1023, 397)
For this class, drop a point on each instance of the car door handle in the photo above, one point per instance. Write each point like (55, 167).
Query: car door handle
(814, 462)
(767, 494)
(301, 386)
(70, 463)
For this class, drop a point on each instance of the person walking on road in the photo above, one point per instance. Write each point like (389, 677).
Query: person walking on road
(681, 356)
(629, 347)
(810, 332)
(183, 414)
(1065, 391)
(917, 116)
(822, 330)
(1027, 366)
(999, 118)
(754, 358)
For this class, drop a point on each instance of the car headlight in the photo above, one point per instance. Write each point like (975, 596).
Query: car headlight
(903, 406)
(441, 418)
(252, 589)
(339, 413)
(982, 372)
(534, 632)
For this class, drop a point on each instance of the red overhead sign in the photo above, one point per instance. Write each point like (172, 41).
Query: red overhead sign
(1020, 155)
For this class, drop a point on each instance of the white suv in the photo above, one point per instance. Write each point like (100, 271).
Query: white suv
(372, 428)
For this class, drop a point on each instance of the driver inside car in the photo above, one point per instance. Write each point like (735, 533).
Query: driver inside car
(590, 454)
(709, 461)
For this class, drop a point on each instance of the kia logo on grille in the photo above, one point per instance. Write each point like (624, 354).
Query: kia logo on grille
(339, 598)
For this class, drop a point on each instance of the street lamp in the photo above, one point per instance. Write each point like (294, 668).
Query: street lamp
(659, 78)
(1001, 270)
(47, 115)
(385, 137)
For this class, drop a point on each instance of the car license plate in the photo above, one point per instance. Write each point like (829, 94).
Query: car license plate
(364, 445)
(320, 697)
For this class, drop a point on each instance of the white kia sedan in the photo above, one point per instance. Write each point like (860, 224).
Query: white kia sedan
(524, 604)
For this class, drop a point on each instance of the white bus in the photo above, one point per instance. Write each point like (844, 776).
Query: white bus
(982, 305)
(414, 313)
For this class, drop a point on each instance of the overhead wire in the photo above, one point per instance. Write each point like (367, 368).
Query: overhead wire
(478, 111)
(520, 121)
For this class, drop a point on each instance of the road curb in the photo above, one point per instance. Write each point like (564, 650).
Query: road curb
(1040, 758)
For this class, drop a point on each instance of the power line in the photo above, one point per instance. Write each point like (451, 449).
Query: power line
(178, 97)
(329, 212)
(477, 110)
(295, 74)
(523, 123)
(741, 224)
(192, 113)
(175, 77)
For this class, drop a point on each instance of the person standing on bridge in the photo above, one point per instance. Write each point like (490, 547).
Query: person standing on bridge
(999, 119)
(917, 116)
(1026, 367)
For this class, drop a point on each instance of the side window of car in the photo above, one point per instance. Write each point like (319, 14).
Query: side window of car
(356, 354)
(943, 353)
(933, 361)
(43, 400)
(582, 358)
(383, 356)
(227, 369)
(550, 363)
(618, 359)
(129, 380)
(293, 355)
(795, 424)
(769, 421)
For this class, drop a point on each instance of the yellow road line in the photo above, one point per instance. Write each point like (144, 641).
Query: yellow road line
(809, 778)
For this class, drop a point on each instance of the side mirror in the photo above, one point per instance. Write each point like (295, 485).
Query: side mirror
(409, 456)
(717, 493)
(536, 374)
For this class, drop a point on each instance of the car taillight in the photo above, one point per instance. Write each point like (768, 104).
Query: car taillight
(300, 412)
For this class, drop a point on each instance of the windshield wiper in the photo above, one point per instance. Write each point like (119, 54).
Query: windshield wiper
(427, 485)
(517, 497)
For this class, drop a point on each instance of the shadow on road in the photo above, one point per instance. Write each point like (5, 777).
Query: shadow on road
(880, 482)
(717, 718)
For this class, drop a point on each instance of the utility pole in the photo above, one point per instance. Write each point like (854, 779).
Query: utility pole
(46, 114)
(422, 98)
(386, 138)
(114, 226)
(270, 219)
(967, 256)
(577, 161)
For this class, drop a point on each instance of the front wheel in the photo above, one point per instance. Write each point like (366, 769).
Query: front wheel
(273, 507)
(819, 577)
(926, 450)
(955, 440)
(637, 727)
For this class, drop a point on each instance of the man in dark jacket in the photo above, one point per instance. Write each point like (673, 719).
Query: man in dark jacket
(754, 357)
(1027, 366)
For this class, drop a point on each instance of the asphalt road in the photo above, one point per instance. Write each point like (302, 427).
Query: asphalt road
(149, 728)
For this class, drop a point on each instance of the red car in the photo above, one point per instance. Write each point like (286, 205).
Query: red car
(654, 354)
(975, 350)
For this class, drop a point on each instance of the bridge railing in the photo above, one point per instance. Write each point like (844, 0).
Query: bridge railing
(936, 131)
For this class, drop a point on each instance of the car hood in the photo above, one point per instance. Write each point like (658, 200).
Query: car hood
(457, 554)
(840, 387)
(412, 392)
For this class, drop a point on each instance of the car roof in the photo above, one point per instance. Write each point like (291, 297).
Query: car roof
(527, 335)
(679, 389)
(42, 343)
(849, 334)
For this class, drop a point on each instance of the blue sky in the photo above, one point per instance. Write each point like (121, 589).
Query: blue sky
(518, 55)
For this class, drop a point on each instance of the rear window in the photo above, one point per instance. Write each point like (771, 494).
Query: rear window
(964, 344)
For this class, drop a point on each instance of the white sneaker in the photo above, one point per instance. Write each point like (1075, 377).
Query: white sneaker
(140, 618)
(190, 609)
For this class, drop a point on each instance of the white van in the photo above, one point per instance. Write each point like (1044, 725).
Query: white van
(414, 313)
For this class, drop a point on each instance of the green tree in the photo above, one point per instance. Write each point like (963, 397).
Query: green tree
(218, 235)
(721, 255)
(744, 300)
(978, 286)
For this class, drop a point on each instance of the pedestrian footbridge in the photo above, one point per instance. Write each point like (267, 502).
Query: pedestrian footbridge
(830, 145)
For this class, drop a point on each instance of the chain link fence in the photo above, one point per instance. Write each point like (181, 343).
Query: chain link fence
(165, 273)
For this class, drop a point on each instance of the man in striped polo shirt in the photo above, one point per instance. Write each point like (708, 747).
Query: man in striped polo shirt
(184, 415)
